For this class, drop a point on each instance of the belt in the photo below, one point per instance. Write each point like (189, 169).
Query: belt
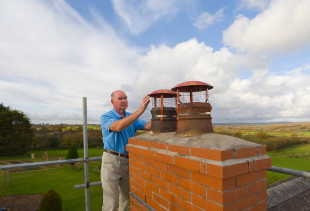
(116, 153)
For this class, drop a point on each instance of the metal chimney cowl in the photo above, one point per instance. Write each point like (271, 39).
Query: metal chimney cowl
(164, 115)
(193, 108)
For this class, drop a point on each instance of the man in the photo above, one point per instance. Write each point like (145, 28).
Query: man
(117, 127)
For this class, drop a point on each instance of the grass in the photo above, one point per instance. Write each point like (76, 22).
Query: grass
(295, 157)
(61, 178)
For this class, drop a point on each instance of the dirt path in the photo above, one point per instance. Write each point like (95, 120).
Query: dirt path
(21, 202)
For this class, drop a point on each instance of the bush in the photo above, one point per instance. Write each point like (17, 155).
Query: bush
(72, 154)
(51, 201)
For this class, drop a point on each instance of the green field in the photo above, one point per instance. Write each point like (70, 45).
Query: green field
(62, 178)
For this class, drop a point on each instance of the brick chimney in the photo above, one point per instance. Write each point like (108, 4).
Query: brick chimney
(204, 172)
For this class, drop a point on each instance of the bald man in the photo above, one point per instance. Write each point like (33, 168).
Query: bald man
(117, 127)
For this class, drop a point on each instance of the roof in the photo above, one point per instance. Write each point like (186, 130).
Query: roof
(290, 196)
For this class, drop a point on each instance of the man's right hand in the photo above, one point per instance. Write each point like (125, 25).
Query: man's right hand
(145, 102)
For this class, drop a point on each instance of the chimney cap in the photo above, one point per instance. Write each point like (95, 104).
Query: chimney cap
(196, 86)
(165, 92)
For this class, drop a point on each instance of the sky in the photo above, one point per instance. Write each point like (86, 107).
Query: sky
(256, 54)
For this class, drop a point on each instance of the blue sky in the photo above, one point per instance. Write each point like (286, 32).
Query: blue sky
(256, 54)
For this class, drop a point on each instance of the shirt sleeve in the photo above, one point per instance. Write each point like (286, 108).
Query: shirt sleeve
(139, 124)
(106, 122)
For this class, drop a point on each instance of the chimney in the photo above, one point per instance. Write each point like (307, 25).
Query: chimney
(193, 108)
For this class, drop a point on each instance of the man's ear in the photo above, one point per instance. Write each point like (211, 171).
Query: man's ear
(112, 102)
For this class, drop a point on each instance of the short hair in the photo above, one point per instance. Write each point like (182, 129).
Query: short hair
(112, 95)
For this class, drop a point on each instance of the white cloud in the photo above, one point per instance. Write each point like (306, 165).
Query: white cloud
(206, 19)
(282, 27)
(50, 58)
(140, 15)
(261, 97)
(253, 4)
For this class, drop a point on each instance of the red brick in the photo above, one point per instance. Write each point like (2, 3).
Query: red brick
(159, 145)
(202, 168)
(247, 202)
(160, 165)
(170, 197)
(152, 187)
(133, 170)
(146, 191)
(182, 172)
(227, 171)
(193, 187)
(246, 153)
(228, 196)
(251, 166)
(152, 170)
(145, 175)
(169, 177)
(140, 180)
(187, 163)
(174, 208)
(262, 196)
(139, 165)
(133, 141)
(262, 164)
(259, 207)
(160, 200)
(257, 186)
(205, 204)
(127, 148)
(188, 206)
(262, 174)
(135, 150)
(219, 184)
(152, 203)
(261, 150)
(180, 149)
(184, 194)
(148, 153)
(145, 160)
(140, 194)
(145, 143)
(133, 156)
(161, 183)
(134, 184)
(161, 157)
(212, 154)
(246, 178)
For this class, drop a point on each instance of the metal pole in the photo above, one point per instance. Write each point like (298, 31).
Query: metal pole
(289, 171)
(4, 182)
(10, 177)
(90, 184)
(86, 154)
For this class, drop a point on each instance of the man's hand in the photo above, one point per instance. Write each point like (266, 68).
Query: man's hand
(145, 102)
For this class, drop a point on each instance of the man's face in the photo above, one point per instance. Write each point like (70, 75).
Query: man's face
(119, 101)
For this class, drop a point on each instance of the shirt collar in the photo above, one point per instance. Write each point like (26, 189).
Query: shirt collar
(117, 114)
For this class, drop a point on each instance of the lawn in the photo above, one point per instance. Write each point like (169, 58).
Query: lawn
(295, 157)
(61, 178)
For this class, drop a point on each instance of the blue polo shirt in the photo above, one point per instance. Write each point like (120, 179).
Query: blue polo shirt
(117, 141)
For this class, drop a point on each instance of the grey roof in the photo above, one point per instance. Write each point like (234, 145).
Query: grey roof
(293, 195)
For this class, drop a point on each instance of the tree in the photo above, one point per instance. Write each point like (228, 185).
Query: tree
(72, 154)
(16, 134)
(51, 201)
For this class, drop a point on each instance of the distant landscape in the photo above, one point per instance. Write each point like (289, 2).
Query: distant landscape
(288, 144)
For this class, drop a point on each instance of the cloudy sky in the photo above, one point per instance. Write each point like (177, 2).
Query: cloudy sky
(256, 54)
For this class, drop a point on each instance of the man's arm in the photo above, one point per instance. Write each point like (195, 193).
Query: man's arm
(148, 126)
(127, 121)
